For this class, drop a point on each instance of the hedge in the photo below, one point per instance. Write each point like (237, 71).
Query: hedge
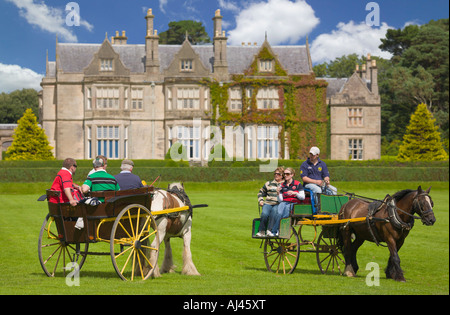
(231, 174)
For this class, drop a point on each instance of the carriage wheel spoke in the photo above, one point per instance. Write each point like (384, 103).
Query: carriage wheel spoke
(125, 230)
(126, 262)
(137, 221)
(148, 247)
(275, 260)
(51, 256)
(140, 265)
(133, 265)
(131, 222)
(143, 227)
(146, 259)
(126, 250)
(57, 261)
(150, 234)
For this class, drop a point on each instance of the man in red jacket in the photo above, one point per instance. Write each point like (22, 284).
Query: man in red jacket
(64, 183)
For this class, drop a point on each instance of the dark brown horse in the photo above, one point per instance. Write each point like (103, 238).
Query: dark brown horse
(389, 221)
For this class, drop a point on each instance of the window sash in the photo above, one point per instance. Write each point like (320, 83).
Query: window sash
(106, 64)
(267, 142)
(108, 141)
(188, 137)
(355, 149)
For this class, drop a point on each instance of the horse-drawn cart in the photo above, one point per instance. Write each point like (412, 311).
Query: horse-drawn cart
(355, 221)
(124, 220)
(281, 254)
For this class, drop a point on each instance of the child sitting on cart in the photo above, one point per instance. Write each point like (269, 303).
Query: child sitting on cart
(289, 193)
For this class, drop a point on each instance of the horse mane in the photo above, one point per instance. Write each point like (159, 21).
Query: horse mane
(401, 194)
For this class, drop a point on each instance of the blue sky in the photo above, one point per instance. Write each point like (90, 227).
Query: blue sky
(28, 28)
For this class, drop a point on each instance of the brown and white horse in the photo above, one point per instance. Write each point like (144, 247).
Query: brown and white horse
(174, 225)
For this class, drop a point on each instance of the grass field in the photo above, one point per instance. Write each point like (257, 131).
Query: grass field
(230, 261)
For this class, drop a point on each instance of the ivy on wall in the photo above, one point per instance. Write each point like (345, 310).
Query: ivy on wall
(302, 113)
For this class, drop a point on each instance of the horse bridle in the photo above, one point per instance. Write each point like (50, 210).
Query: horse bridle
(417, 204)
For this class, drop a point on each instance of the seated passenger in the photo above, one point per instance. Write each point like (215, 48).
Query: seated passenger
(126, 179)
(290, 192)
(315, 175)
(64, 184)
(100, 180)
(270, 206)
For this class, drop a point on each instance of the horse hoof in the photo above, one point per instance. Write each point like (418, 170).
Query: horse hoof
(190, 273)
(349, 274)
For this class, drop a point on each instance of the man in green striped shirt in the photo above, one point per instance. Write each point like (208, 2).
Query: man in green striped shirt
(100, 180)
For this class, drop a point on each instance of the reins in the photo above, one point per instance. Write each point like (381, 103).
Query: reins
(368, 199)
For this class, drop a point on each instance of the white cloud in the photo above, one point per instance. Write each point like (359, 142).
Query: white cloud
(162, 4)
(229, 5)
(48, 18)
(14, 77)
(349, 39)
(285, 21)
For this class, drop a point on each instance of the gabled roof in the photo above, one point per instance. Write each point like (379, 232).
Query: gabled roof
(74, 58)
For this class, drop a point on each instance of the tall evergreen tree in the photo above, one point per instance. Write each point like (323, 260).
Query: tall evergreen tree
(422, 140)
(176, 34)
(30, 141)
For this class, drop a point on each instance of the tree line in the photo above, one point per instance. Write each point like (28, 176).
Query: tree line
(416, 74)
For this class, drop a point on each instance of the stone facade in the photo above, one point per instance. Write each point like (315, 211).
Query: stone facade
(355, 115)
(6, 139)
(135, 101)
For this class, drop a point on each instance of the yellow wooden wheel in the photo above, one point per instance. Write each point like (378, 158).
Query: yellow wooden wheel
(55, 254)
(134, 243)
(281, 255)
(328, 253)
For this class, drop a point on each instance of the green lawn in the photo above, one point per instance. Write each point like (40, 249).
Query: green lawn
(230, 261)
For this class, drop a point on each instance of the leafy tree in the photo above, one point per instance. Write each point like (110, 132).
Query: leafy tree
(176, 34)
(14, 104)
(422, 141)
(419, 75)
(341, 67)
(398, 40)
(30, 141)
(429, 51)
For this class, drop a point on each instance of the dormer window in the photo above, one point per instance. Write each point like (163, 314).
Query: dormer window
(187, 65)
(106, 65)
(265, 65)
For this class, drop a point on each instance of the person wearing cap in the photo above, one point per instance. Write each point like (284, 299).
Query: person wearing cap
(315, 175)
(64, 184)
(99, 179)
(126, 179)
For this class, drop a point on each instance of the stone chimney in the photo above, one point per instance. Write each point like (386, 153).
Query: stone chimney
(374, 77)
(119, 39)
(151, 46)
(220, 49)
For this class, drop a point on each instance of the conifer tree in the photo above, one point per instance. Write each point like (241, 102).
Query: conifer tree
(422, 140)
(30, 141)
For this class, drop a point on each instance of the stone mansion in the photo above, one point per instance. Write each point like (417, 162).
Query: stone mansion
(137, 100)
